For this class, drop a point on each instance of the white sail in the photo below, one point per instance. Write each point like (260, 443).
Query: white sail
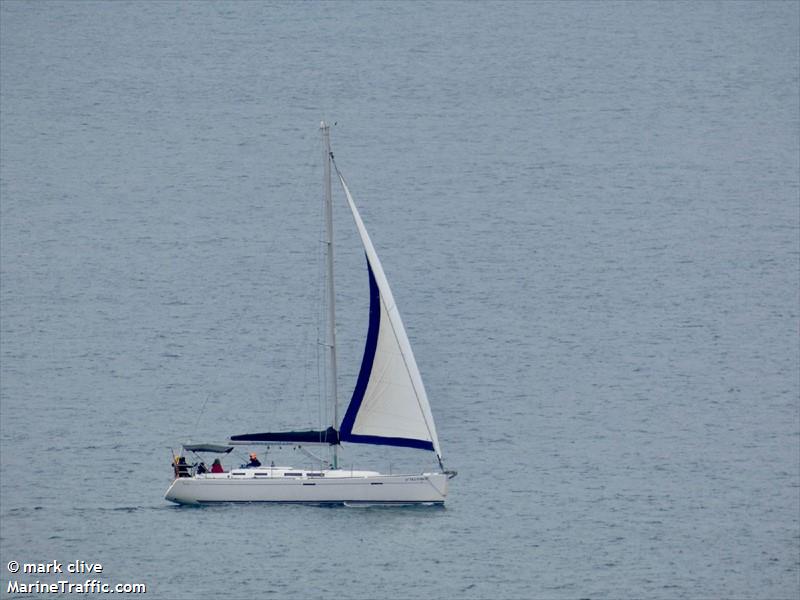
(389, 405)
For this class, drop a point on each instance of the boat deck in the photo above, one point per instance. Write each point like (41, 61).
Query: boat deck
(288, 472)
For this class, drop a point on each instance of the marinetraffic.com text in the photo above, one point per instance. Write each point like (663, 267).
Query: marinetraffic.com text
(63, 585)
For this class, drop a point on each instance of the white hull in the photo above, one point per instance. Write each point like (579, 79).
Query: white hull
(317, 487)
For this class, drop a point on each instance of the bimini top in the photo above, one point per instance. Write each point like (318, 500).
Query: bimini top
(214, 448)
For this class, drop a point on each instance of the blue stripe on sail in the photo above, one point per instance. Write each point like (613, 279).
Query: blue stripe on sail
(389, 441)
(345, 433)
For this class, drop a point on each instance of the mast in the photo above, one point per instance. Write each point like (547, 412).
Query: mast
(331, 296)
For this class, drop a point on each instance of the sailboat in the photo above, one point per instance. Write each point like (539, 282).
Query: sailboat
(388, 407)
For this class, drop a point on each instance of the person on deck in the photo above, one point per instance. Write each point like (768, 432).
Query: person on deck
(254, 462)
(181, 467)
(217, 466)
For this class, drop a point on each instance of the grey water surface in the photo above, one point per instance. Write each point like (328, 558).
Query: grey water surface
(589, 216)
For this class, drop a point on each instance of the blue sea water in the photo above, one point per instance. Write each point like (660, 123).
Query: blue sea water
(589, 215)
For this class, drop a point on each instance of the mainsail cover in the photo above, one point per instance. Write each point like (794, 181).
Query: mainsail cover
(389, 404)
(328, 436)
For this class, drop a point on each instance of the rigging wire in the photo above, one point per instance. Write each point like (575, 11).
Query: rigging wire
(322, 382)
(310, 354)
(200, 414)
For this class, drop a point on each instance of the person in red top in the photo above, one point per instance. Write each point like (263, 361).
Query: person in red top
(217, 467)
